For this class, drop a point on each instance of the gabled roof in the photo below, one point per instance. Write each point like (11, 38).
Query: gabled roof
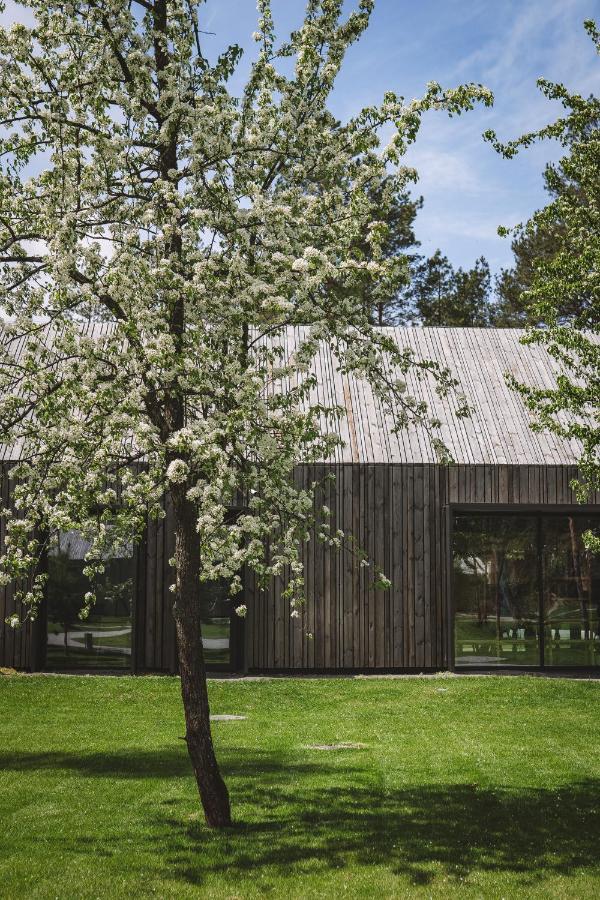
(498, 431)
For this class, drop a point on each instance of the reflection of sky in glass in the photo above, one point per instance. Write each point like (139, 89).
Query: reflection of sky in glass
(75, 546)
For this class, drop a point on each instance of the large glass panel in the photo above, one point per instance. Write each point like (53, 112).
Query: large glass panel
(103, 640)
(495, 591)
(216, 612)
(571, 593)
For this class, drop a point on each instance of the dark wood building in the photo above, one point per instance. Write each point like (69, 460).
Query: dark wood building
(486, 557)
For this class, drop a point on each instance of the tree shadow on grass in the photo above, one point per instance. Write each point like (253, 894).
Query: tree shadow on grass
(162, 762)
(417, 832)
(319, 816)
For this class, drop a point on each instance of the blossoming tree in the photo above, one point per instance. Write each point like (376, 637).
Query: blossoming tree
(192, 226)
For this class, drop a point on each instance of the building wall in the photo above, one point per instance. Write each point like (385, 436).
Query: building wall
(397, 514)
(19, 647)
(154, 640)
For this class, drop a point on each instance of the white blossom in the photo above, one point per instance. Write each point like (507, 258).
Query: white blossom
(177, 471)
(169, 285)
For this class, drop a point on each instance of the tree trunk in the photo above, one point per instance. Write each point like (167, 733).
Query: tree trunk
(186, 610)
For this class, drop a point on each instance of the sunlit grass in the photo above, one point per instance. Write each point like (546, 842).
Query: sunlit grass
(474, 787)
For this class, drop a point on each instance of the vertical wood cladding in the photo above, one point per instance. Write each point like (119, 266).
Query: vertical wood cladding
(154, 627)
(396, 512)
(18, 646)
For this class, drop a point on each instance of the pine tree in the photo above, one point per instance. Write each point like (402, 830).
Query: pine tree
(440, 295)
(564, 293)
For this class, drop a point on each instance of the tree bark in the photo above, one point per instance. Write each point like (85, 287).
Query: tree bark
(211, 787)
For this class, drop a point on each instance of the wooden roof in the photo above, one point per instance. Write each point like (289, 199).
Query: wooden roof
(497, 433)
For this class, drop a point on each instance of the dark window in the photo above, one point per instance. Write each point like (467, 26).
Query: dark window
(495, 591)
(525, 590)
(216, 612)
(571, 593)
(103, 640)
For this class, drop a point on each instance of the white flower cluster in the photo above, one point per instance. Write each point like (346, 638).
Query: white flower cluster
(177, 471)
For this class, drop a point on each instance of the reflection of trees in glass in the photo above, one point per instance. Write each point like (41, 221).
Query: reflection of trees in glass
(216, 609)
(578, 566)
(214, 599)
(498, 578)
(109, 623)
(65, 591)
(571, 573)
(496, 553)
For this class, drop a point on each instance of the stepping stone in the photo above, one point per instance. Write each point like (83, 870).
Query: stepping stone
(227, 718)
(344, 745)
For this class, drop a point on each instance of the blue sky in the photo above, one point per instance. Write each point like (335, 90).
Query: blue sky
(506, 44)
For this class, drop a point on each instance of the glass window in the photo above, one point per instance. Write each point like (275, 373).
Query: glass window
(571, 593)
(524, 585)
(496, 595)
(103, 640)
(216, 613)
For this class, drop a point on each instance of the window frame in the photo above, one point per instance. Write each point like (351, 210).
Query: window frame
(503, 509)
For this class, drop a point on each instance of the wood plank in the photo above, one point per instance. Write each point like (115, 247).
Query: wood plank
(349, 612)
(369, 515)
(419, 583)
(326, 655)
(4, 660)
(170, 637)
(411, 550)
(150, 661)
(396, 569)
(428, 563)
(382, 544)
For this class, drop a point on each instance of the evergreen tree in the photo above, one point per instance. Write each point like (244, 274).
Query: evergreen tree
(529, 247)
(401, 210)
(441, 295)
(537, 242)
(472, 297)
(431, 288)
(565, 286)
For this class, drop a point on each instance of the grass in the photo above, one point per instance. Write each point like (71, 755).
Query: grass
(467, 787)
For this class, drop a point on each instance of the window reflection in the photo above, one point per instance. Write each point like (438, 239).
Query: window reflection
(216, 613)
(103, 640)
(504, 566)
(571, 593)
(495, 591)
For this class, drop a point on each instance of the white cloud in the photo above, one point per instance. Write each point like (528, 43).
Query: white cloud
(443, 169)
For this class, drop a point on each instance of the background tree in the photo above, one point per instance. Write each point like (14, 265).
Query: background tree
(539, 241)
(430, 288)
(529, 246)
(201, 224)
(564, 293)
(440, 295)
(400, 214)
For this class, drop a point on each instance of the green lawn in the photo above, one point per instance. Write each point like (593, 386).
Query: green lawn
(467, 787)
